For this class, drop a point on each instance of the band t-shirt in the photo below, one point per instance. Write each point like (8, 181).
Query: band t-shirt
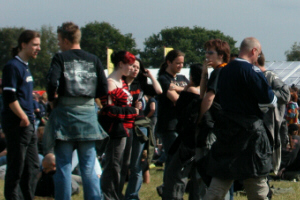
(166, 119)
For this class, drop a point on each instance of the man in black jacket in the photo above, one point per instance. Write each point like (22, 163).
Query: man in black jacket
(242, 150)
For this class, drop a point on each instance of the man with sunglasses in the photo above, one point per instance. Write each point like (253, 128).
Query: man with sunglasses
(242, 150)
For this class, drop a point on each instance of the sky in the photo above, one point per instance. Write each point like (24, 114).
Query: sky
(275, 23)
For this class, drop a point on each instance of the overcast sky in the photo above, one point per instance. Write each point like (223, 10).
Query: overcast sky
(275, 23)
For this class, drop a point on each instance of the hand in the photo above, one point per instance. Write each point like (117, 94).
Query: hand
(137, 111)
(147, 73)
(138, 104)
(207, 64)
(24, 122)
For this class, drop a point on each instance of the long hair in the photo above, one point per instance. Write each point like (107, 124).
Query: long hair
(25, 37)
(140, 77)
(195, 73)
(171, 56)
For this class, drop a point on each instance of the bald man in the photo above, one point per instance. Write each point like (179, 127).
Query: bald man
(242, 150)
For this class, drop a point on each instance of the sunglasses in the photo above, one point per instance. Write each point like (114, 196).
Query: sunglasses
(210, 52)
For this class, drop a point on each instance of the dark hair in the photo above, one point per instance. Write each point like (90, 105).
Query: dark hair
(195, 73)
(294, 88)
(140, 77)
(294, 95)
(70, 31)
(171, 56)
(261, 60)
(122, 56)
(147, 88)
(292, 128)
(221, 47)
(25, 37)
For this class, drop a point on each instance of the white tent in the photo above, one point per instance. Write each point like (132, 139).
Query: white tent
(287, 71)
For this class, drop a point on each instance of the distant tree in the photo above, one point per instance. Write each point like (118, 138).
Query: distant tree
(294, 53)
(40, 66)
(8, 40)
(97, 37)
(188, 40)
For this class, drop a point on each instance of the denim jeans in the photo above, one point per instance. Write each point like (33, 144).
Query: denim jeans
(136, 176)
(62, 177)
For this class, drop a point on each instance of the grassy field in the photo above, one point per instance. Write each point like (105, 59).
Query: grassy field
(148, 191)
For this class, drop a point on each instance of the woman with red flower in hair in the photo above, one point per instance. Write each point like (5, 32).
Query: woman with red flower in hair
(117, 118)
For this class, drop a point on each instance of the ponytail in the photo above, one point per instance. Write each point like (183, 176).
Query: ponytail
(162, 68)
(15, 51)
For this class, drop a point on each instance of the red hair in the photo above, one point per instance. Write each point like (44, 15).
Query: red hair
(221, 47)
(129, 58)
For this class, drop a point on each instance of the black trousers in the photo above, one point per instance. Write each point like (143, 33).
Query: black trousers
(22, 162)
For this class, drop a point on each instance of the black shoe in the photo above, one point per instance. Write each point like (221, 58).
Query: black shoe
(159, 190)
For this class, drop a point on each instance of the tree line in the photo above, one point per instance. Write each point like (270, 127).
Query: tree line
(98, 36)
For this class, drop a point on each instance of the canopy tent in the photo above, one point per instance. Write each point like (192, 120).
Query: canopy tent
(287, 71)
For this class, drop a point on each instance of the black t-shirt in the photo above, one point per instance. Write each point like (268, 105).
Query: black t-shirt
(147, 109)
(212, 85)
(166, 118)
(137, 91)
(76, 73)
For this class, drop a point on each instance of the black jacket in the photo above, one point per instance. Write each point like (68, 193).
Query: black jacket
(242, 149)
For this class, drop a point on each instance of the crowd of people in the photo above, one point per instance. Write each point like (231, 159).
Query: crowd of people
(233, 126)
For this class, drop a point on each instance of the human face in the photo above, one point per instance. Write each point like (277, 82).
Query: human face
(48, 167)
(176, 65)
(212, 57)
(32, 48)
(126, 68)
(62, 43)
(135, 69)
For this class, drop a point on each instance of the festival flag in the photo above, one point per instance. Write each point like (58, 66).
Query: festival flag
(110, 65)
(166, 50)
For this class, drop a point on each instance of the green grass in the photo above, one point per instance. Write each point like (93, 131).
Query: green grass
(148, 191)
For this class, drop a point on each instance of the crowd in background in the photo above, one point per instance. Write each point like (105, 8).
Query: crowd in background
(98, 131)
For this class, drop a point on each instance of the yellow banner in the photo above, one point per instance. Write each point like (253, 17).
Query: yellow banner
(110, 65)
(166, 50)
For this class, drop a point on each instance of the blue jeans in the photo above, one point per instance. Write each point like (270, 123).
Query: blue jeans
(136, 176)
(62, 177)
